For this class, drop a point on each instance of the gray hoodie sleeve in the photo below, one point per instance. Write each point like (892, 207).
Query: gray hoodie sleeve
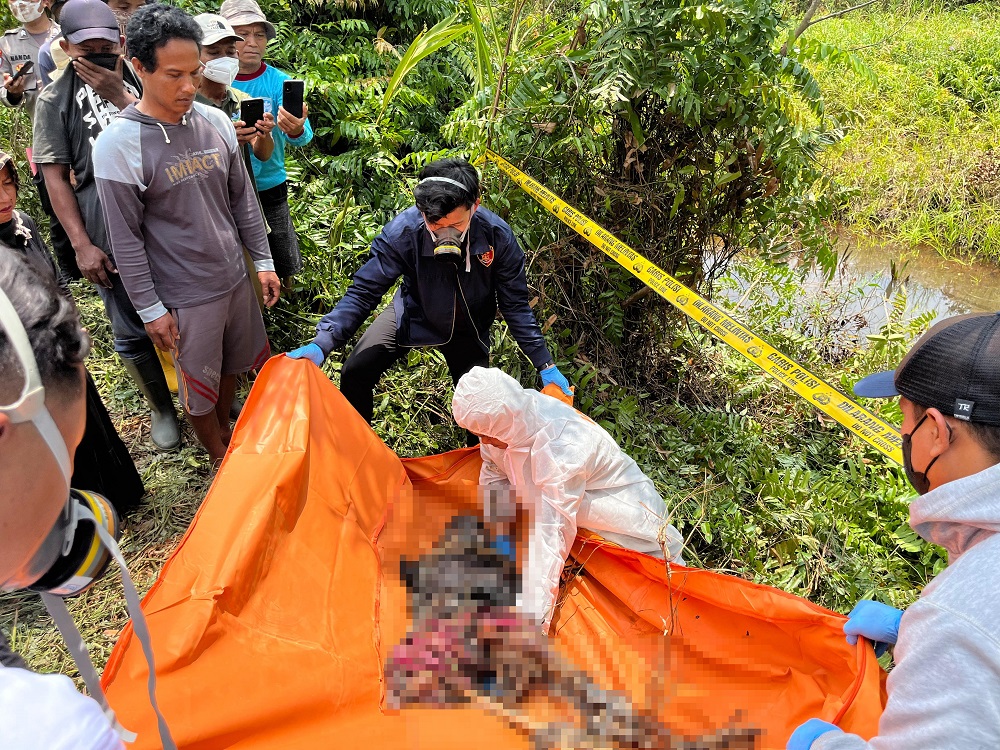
(118, 169)
(242, 197)
(944, 692)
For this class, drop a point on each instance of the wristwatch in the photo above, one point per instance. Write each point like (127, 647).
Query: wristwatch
(547, 365)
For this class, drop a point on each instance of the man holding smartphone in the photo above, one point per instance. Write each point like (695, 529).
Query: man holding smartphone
(19, 53)
(179, 209)
(259, 80)
(71, 114)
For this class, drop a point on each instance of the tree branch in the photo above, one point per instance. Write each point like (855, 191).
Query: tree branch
(803, 25)
(842, 12)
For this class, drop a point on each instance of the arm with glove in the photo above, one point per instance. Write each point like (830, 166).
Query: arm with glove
(370, 283)
(513, 301)
(942, 692)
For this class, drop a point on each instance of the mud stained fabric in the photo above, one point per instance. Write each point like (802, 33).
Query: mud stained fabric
(69, 115)
(179, 207)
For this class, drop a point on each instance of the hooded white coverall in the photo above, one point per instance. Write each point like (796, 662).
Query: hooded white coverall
(567, 470)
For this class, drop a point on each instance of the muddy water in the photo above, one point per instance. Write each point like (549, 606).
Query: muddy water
(947, 287)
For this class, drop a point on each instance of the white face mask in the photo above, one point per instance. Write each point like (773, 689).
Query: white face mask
(26, 12)
(222, 70)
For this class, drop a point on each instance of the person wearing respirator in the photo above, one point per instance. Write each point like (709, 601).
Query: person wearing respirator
(943, 691)
(49, 533)
(459, 263)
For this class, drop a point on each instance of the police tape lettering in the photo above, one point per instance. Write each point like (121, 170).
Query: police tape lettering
(880, 435)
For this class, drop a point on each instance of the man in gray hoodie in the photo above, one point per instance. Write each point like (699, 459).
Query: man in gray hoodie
(179, 209)
(944, 692)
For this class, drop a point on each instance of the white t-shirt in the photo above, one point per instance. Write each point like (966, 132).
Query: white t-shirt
(45, 712)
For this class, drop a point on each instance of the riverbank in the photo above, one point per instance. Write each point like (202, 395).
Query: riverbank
(921, 161)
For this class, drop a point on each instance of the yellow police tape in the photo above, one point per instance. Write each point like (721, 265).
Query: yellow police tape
(880, 435)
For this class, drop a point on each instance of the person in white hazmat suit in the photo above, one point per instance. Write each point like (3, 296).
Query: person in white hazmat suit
(567, 471)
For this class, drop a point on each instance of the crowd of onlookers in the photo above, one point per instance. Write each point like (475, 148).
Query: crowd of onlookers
(156, 191)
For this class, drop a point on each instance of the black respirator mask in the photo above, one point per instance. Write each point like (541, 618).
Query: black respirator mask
(449, 243)
(75, 552)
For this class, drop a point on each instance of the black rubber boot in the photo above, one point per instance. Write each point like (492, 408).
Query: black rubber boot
(164, 429)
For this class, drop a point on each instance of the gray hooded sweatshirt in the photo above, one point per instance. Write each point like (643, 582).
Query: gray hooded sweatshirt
(944, 693)
(179, 207)
(568, 472)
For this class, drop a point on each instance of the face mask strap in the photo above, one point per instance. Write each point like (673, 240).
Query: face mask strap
(64, 621)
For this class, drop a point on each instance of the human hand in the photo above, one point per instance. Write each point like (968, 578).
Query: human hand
(270, 285)
(807, 733)
(107, 83)
(551, 375)
(265, 126)
(95, 265)
(163, 332)
(15, 87)
(877, 622)
(244, 133)
(291, 125)
(312, 352)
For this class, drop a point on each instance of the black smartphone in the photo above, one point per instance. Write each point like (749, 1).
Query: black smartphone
(23, 70)
(292, 93)
(251, 110)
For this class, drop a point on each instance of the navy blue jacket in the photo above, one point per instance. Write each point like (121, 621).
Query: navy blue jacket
(429, 297)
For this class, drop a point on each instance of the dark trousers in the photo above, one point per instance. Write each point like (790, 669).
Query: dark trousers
(62, 247)
(378, 351)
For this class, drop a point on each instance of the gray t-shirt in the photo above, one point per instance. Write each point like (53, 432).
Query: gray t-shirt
(69, 115)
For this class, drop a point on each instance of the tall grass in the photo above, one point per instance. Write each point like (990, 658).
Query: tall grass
(922, 159)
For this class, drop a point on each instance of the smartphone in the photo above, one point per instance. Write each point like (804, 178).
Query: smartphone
(23, 70)
(251, 110)
(292, 93)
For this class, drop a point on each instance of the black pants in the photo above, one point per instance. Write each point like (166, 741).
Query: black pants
(62, 247)
(378, 351)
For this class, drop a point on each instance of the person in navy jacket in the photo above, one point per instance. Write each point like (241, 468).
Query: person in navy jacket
(459, 263)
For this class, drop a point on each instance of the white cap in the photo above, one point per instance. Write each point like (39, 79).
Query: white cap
(215, 28)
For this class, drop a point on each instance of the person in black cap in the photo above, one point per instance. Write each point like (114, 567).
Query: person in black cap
(944, 691)
(71, 112)
(460, 263)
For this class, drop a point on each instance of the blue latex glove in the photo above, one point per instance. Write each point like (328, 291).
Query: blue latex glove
(877, 622)
(312, 352)
(804, 737)
(551, 374)
(503, 544)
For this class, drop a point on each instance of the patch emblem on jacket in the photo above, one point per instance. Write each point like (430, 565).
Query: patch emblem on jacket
(486, 258)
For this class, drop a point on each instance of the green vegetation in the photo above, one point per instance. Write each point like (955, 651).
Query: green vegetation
(685, 130)
(921, 161)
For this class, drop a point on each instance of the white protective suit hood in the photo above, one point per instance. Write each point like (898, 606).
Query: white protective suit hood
(944, 692)
(489, 402)
(568, 473)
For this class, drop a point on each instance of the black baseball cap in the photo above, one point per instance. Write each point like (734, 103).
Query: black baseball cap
(954, 367)
(89, 19)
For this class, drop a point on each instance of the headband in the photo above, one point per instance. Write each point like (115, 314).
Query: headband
(445, 179)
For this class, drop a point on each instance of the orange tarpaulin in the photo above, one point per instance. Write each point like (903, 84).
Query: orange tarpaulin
(272, 620)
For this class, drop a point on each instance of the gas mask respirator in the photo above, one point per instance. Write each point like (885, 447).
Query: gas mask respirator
(448, 241)
(77, 549)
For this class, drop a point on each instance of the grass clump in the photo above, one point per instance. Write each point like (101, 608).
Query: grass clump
(921, 162)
